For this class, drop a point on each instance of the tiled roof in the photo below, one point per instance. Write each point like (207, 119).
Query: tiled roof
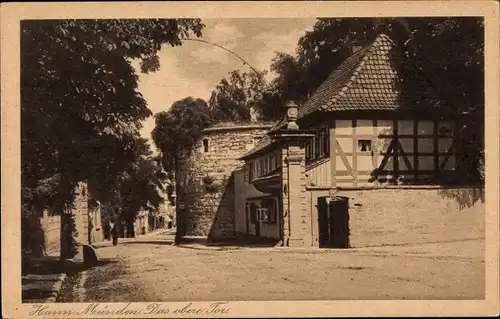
(264, 142)
(371, 79)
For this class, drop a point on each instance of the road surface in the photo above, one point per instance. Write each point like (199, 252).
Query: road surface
(152, 269)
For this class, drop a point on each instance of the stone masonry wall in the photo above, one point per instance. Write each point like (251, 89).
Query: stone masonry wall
(81, 213)
(386, 217)
(51, 227)
(207, 209)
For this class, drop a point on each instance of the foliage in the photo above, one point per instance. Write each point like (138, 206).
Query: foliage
(428, 41)
(208, 180)
(69, 233)
(32, 237)
(80, 109)
(178, 128)
(210, 185)
(138, 186)
(448, 50)
(233, 98)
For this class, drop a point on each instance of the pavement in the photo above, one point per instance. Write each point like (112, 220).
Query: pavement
(133, 270)
(154, 269)
(463, 248)
(41, 288)
(43, 277)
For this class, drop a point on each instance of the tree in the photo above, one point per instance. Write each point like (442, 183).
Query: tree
(448, 50)
(232, 98)
(80, 109)
(178, 128)
(428, 41)
(138, 186)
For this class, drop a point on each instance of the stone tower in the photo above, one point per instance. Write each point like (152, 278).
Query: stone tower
(204, 179)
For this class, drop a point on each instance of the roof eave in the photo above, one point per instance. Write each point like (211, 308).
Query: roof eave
(258, 152)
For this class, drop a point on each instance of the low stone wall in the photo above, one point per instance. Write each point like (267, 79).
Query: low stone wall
(385, 217)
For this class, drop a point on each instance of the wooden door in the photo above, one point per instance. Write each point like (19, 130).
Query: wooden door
(339, 222)
(323, 223)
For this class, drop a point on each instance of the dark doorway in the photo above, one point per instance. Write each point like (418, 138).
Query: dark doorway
(333, 222)
(247, 218)
(253, 214)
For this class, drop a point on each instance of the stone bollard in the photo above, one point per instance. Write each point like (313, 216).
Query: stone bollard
(90, 257)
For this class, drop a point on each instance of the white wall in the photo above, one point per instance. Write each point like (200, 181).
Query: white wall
(363, 163)
(242, 191)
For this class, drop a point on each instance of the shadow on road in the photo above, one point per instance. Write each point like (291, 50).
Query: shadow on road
(151, 242)
(52, 265)
(40, 274)
(243, 242)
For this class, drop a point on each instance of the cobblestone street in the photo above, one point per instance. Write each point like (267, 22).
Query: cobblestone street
(152, 269)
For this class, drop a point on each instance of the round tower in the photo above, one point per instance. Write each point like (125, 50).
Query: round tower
(204, 178)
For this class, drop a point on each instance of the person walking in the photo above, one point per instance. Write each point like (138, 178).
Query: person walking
(114, 232)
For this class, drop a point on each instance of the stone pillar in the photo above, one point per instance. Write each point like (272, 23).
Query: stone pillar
(81, 219)
(285, 222)
(297, 223)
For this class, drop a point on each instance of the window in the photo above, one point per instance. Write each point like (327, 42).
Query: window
(322, 147)
(205, 146)
(269, 210)
(308, 151)
(250, 172)
(272, 163)
(364, 145)
(319, 146)
(262, 214)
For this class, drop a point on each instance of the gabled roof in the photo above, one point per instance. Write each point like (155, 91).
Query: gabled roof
(371, 80)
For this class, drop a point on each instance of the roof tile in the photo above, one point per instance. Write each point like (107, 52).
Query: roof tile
(372, 79)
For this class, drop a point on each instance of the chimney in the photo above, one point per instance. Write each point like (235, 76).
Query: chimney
(356, 46)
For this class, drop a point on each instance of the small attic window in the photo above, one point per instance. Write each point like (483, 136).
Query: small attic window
(364, 145)
(205, 146)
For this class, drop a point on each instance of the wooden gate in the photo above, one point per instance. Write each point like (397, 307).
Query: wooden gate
(333, 222)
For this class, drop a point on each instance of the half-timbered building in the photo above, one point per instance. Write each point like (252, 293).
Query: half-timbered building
(377, 122)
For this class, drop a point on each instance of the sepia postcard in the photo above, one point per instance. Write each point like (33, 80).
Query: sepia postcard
(250, 159)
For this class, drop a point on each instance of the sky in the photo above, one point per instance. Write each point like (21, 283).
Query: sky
(194, 69)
